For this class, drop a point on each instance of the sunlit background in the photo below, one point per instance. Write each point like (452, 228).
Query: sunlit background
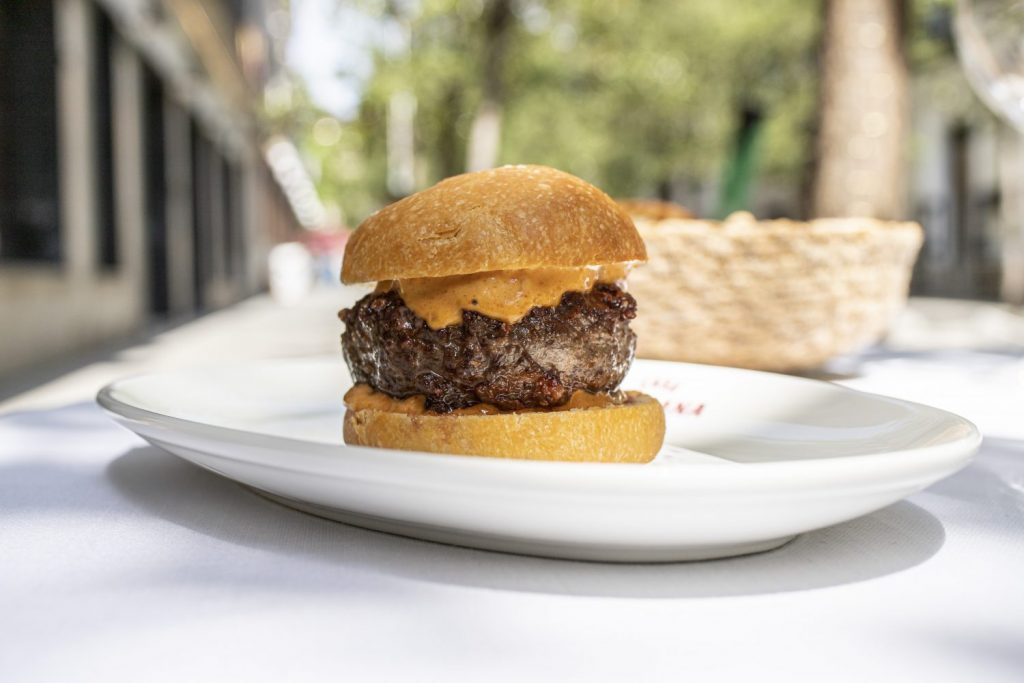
(163, 159)
(787, 109)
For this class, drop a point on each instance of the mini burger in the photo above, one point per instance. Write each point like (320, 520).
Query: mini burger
(499, 325)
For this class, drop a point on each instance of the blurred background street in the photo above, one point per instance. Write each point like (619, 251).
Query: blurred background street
(256, 328)
(162, 161)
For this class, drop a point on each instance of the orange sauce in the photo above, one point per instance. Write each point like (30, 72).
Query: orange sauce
(365, 397)
(506, 295)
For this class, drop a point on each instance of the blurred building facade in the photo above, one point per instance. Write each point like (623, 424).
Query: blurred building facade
(967, 191)
(957, 198)
(133, 186)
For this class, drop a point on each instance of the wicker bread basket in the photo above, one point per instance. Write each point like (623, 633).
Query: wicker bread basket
(770, 295)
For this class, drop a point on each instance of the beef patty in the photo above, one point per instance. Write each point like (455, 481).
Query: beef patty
(582, 343)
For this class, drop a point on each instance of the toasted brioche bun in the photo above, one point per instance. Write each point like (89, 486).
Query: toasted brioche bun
(508, 218)
(630, 432)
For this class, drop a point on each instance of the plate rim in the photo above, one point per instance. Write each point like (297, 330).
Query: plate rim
(955, 453)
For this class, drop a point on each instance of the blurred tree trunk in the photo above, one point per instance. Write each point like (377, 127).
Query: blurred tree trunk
(862, 130)
(448, 148)
(485, 134)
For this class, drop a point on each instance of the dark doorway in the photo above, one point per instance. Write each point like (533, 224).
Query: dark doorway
(231, 220)
(202, 216)
(239, 253)
(29, 170)
(156, 191)
(102, 120)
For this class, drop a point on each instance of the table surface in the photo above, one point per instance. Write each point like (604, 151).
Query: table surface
(120, 562)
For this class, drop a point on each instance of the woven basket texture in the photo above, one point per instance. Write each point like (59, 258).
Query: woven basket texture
(770, 295)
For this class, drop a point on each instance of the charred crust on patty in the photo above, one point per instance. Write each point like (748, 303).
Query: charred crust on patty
(583, 343)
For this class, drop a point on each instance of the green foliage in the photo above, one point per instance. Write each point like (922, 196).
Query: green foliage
(939, 81)
(626, 94)
(931, 37)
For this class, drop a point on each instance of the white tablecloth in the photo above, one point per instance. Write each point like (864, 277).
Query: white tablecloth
(120, 563)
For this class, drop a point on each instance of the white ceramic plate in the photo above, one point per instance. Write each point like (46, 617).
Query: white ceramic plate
(750, 460)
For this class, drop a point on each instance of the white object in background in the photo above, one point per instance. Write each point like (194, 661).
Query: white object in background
(750, 460)
(291, 273)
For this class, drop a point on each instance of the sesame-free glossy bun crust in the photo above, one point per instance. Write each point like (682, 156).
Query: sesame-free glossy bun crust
(628, 433)
(508, 218)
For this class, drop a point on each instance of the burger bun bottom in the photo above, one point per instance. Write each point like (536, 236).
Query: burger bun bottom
(629, 432)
